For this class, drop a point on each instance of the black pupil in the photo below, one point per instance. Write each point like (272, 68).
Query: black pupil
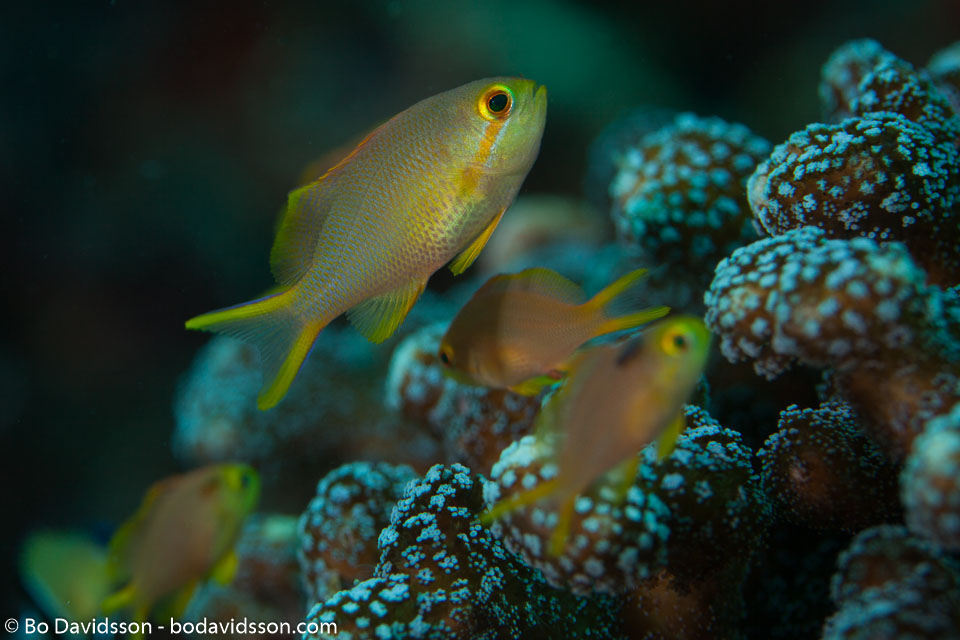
(497, 102)
(679, 341)
(444, 358)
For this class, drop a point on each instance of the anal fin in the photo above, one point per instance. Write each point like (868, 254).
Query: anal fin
(519, 500)
(463, 261)
(377, 318)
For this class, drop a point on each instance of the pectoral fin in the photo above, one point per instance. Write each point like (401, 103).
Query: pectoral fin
(669, 437)
(533, 386)
(468, 255)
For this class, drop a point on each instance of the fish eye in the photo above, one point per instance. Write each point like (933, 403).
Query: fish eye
(675, 343)
(496, 103)
(444, 355)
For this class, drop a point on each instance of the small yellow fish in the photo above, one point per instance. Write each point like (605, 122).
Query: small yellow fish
(426, 187)
(618, 399)
(517, 330)
(183, 533)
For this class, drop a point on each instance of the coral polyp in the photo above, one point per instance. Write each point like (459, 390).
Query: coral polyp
(826, 473)
(842, 73)
(338, 531)
(892, 585)
(930, 483)
(801, 296)
(678, 195)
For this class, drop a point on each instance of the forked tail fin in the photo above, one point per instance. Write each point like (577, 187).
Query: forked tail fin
(622, 295)
(282, 336)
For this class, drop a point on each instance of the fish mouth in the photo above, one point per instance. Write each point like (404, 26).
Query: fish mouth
(539, 93)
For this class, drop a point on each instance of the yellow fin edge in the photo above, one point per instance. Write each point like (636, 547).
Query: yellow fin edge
(631, 320)
(272, 393)
(517, 501)
(466, 257)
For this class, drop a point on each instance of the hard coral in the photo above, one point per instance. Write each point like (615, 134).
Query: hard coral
(266, 586)
(891, 172)
(693, 512)
(881, 176)
(896, 402)
(442, 575)
(893, 85)
(890, 585)
(474, 423)
(853, 305)
(930, 482)
(842, 73)
(331, 414)
(944, 69)
(824, 302)
(678, 195)
(825, 472)
(338, 531)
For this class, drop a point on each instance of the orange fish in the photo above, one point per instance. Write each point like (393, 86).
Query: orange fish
(426, 187)
(618, 399)
(517, 330)
(183, 533)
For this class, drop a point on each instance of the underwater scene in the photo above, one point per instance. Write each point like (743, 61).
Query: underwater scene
(440, 319)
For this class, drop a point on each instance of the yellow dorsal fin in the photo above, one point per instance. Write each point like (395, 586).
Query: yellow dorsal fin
(537, 280)
(377, 318)
(463, 261)
(293, 249)
(669, 437)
